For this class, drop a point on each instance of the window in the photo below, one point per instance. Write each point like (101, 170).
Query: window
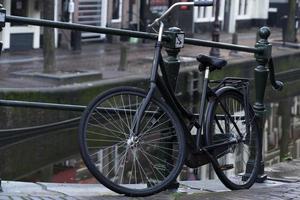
(116, 10)
(19, 8)
(243, 8)
(207, 14)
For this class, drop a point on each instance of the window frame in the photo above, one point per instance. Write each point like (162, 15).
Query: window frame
(117, 20)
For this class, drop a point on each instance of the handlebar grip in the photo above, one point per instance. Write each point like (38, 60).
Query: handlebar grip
(203, 3)
(278, 86)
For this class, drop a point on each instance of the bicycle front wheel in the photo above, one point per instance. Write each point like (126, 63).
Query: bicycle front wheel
(230, 121)
(134, 164)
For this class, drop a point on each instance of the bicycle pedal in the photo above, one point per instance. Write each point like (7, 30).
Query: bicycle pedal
(226, 167)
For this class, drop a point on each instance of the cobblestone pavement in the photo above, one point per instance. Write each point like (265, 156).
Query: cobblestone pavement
(287, 191)
(33, 197)
(290, 191)
(286, 187)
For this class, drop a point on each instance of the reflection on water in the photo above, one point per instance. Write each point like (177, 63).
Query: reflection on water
(281, 142)
(282, 131)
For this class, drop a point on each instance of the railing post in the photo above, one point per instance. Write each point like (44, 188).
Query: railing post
(216, 30)
(172, 65)
(261, 76)
(2, 25)
(172, 62)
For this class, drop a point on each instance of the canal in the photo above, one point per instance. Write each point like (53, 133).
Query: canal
(281, 143)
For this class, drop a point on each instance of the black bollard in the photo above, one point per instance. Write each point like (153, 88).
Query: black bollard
(234, 41)
(76, 41)
(123, 57)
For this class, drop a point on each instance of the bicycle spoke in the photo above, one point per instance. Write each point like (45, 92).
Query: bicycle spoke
(124, 161)
(142, 170)
(110, 116)
(105, 128)
(152, 128)
(160, 147)
(127, 120)
(109, 121)
(166, 153)
(152, 156)
(118, 114)
(102, 140)
(232, 162)
(106, 135)
(151, 164)
(107, 147)
(159, 131)
(150, 141)
(121, 159)
(107, 155)
(148, 121)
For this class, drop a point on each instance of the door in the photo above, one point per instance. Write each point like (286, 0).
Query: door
(92, 12)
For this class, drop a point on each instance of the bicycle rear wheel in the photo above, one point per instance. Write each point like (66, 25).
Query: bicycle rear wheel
(227, 121)
(134, 164)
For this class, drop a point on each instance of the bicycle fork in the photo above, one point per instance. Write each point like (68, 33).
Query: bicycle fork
(153, 86)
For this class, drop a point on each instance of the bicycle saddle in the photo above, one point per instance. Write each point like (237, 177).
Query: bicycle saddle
(212, 62)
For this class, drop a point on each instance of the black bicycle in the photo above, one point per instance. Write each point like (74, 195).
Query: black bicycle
(136, 142)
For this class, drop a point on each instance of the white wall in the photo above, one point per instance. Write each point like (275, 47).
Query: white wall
(5, 35)
(260, 9)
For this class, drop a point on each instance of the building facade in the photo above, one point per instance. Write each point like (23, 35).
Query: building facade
(234, 15)
(127, 14)
(110, 13)
(278, 12)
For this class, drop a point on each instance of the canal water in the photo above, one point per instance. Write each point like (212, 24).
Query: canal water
(281, 143)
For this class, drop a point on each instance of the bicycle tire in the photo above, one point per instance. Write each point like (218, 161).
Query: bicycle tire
(148, 166)
(236, 165)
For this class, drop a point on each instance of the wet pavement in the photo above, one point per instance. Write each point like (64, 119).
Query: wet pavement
(105, 58)
(289, 188)
(187, 190)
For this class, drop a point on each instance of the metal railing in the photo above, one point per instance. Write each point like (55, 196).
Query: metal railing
(104, 30)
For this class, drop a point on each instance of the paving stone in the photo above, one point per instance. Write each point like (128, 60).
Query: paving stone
(268, 190)
(48, 198)
(2, 197)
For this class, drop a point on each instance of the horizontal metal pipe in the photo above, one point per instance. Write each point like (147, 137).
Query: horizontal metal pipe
(122, 32)
(50, 106)
(221, 45)
(68, 107)
(80, 27)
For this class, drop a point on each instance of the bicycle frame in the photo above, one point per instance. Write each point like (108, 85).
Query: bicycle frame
(161, 84)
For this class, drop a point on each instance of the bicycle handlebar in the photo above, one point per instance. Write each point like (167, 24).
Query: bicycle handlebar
(197, 3)
(277, 85)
